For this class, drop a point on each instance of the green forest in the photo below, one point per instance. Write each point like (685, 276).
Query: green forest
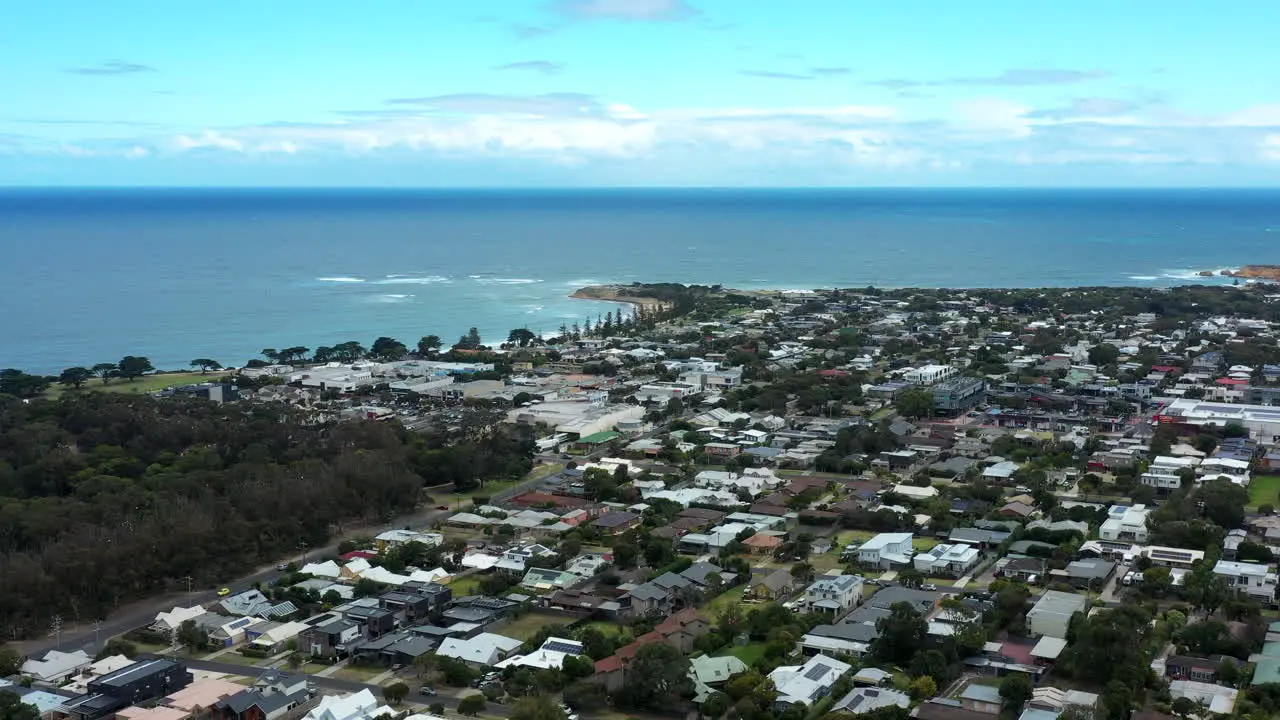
(107, 498)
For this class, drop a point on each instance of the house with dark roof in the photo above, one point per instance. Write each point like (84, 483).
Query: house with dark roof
(617, 522)
(135, 684)
(774, 585)
(273, 695)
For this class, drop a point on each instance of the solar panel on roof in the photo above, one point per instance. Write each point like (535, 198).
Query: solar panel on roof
(855, 702)
(816, 672)
(564, 647)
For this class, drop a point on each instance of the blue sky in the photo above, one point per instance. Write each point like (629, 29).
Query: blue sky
(639, 92)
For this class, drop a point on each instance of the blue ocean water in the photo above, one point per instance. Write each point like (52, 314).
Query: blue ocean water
(91, 275)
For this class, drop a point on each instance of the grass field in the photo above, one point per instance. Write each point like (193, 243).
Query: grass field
(359, 674)
(1264, 490)
(924, 544)
(143, 385)
(724, 599)
(748, 653)
(465, 586)
(845, 537)
(608, 629)
(528, 625)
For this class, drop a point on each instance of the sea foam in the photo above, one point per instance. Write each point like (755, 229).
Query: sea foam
(340, 279)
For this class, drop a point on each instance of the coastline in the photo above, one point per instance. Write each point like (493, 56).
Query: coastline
(614, 293)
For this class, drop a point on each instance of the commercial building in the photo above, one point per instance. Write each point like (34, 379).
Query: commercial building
(928, 374)
(133, 685)
(1262, 422)
(958, 394)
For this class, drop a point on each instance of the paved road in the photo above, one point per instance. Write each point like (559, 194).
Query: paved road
(143, 612)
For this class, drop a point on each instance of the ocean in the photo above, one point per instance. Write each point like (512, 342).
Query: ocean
(91, 275)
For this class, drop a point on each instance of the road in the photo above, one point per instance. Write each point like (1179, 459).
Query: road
(142, 612)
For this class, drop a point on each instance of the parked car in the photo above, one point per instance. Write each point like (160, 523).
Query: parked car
(427, 691)
(928, 586)
(224, 592)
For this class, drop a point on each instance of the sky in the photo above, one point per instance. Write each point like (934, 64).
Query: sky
(512, 93)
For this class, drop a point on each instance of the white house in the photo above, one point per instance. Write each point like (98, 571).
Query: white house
(948, 559)
(356, 706)
(484, 649)
(807, 683)
(550, 656)
(1253, 579)
(838, 593)
(56, 666)
(1052, 613)
(886, 549)
(169, 622)
(1125, 523)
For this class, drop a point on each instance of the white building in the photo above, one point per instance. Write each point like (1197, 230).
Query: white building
(837, 593)
(928, 374)
(948, 559)
(1262, 421)
(56, 666)
(807, 683)
(484, 649)
(550, 656)
(714, 380)
(1253, 579)
(886, 549)
(356, 706)
(578, 417)
(1052, 613)
(169, 622)
(1125, 523)
(662, 392)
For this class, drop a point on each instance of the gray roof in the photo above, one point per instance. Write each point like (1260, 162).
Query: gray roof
(777, 579)
(648, 591)
(978, 535)
(669, 580)
(1091, 569)
(699, 572)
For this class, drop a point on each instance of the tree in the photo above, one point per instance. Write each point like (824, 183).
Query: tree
(1222, 503)
(924, 687)
(10, 661)
(429, 345)
(910, 578)
(105, 371)
(19, 384)
(1183, 707)
(470, 341)
(270, 354)
(1103, 354)
(658, 674)
(386, 348)
(114, 646)
(206, 364)
(12, 708)
(472, 705)
(1157, 581)
(802, 571)
(75, 377)
(134, 367)
(1016, 689)
(902, 634)
(914, 403)
(524, 337)
(715, 705)
(192, 637)
(625, 554)
(537, 707)
(395, 693)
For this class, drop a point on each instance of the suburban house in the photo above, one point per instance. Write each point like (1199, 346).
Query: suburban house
(886, 550)
(1199, 669)
(679, 631)
(329, 637)
(56, 666)
(484, 650)
(807, 683)
(1052, 613)
(954, 559)
(516, 559)
(1252, 579)
(356, 706)
(774, 585)
(1024, 568)
(1125, 523)
(834, 593)
(617, 522)
(273, 695)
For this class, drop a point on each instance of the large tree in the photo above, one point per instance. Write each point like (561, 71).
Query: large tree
(914, 403)
(1016, 690)
(1222, 502)
(388, 348)
(105, 371)
(134, 367)
(206, 364)
(537, 707)
(429, 345)
(12, 707)
(75, 377)
(657, 676)
(523, 337)
(20, 384)
(902, 634)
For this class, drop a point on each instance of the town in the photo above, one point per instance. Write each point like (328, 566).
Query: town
(936, 504)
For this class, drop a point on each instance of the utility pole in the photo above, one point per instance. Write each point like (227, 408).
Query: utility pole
(97, 630)
(188, 579)
(56, 627)
(303, 547)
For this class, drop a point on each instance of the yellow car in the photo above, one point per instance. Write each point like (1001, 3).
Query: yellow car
(224, 592)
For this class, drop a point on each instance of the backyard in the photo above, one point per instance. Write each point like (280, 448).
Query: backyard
(724, 600)
(528, 625)
(748, 653)
(1264, 490)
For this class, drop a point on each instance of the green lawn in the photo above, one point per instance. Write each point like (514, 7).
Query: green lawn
(235, 658)
(608, 629)
(724, 599)
(748, 653)
(924, 544)
(356, 673)
(145, 384)
(1264, 490)
(845, 537)
(465, 586)
(528, 625)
